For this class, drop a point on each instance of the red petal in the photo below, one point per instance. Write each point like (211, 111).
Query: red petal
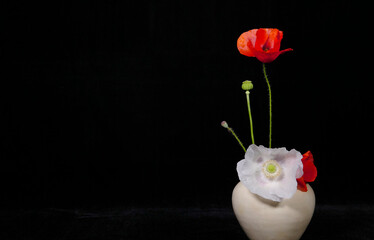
(267, 57)
(272, 44)
(274, 41)
(310, 170)
(301, 185)
(246, 43)
(262, 37)
(285, 50)
(268, 39)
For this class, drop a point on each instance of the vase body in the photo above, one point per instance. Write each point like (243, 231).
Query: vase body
(263, 219)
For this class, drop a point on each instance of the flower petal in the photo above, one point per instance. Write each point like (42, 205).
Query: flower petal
(246, 43)
(274, 40)
(262, 35)
(267, 57)
(301, 185)
(253, 152)
(310, 170)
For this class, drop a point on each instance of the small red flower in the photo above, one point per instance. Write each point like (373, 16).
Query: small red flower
(310, 172)
(263, 43)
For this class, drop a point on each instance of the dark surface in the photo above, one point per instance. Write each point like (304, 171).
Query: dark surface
(328, 223)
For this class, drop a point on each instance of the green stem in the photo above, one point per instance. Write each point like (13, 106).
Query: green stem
(270, 107)
(237, 139)
(250, 116)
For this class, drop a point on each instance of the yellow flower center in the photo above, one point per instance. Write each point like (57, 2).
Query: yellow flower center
(271, 169)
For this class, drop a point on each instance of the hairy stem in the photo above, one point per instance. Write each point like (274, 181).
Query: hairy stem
(237, 139)
(270, 106)
(250, 116)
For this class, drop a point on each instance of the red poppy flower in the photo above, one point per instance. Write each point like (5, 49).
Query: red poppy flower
(263, 43)
(310, 172)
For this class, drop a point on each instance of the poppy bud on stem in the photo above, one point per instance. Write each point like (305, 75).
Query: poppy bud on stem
(246, 86)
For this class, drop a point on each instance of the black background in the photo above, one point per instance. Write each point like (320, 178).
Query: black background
(119, 103)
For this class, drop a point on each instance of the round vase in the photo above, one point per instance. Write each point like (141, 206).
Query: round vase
(263, 219)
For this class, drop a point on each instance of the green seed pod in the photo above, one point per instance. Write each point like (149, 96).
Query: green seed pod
(247, 85)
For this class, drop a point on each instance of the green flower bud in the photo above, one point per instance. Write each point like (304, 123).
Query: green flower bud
(247, 85)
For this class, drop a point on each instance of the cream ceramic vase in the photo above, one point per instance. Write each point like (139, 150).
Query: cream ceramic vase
(263, 219)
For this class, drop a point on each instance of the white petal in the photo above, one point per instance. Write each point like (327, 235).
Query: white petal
(253, 153)
(251, 175)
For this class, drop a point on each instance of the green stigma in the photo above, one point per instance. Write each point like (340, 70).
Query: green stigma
(271, 168)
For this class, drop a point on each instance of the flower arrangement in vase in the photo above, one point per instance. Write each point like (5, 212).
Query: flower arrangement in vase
(272, 200)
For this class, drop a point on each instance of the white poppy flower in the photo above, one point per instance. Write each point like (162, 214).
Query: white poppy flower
(270, 172)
